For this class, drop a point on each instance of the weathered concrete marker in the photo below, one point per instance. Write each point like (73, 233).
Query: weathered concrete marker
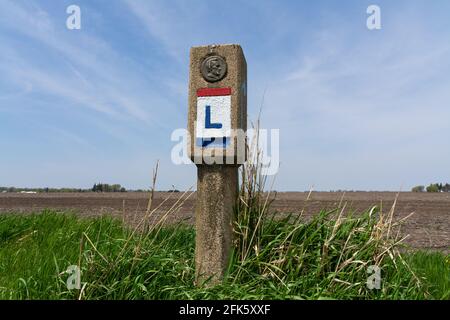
(217, 125)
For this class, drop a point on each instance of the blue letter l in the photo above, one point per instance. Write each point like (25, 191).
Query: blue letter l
(208, 124)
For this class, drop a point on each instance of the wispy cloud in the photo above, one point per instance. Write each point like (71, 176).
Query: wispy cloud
(96, 78)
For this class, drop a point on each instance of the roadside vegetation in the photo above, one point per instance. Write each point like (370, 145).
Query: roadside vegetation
(336, 255)
(316, 260)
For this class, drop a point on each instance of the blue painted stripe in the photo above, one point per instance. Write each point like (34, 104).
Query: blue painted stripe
(213, 142)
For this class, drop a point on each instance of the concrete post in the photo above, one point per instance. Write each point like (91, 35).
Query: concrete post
(217, 125)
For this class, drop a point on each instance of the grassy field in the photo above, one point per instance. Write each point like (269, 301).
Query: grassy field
(326, 258)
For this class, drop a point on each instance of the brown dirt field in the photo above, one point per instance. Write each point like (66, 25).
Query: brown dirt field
(428, 228)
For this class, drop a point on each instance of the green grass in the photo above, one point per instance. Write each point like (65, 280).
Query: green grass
(324, 258)
(435, 267)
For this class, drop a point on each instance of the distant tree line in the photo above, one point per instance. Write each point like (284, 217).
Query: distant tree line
(433, 187)
(98, 187)
(42, 190)
(104, 187)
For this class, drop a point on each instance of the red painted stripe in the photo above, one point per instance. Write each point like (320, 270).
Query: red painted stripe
(210, 92)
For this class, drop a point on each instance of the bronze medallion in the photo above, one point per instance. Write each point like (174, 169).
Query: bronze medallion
(214, 68)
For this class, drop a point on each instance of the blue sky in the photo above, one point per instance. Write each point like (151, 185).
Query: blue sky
(356, 109)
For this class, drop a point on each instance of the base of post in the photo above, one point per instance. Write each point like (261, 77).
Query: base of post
(217, 191)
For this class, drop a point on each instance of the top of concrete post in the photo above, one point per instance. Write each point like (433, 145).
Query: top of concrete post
(217, 104)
